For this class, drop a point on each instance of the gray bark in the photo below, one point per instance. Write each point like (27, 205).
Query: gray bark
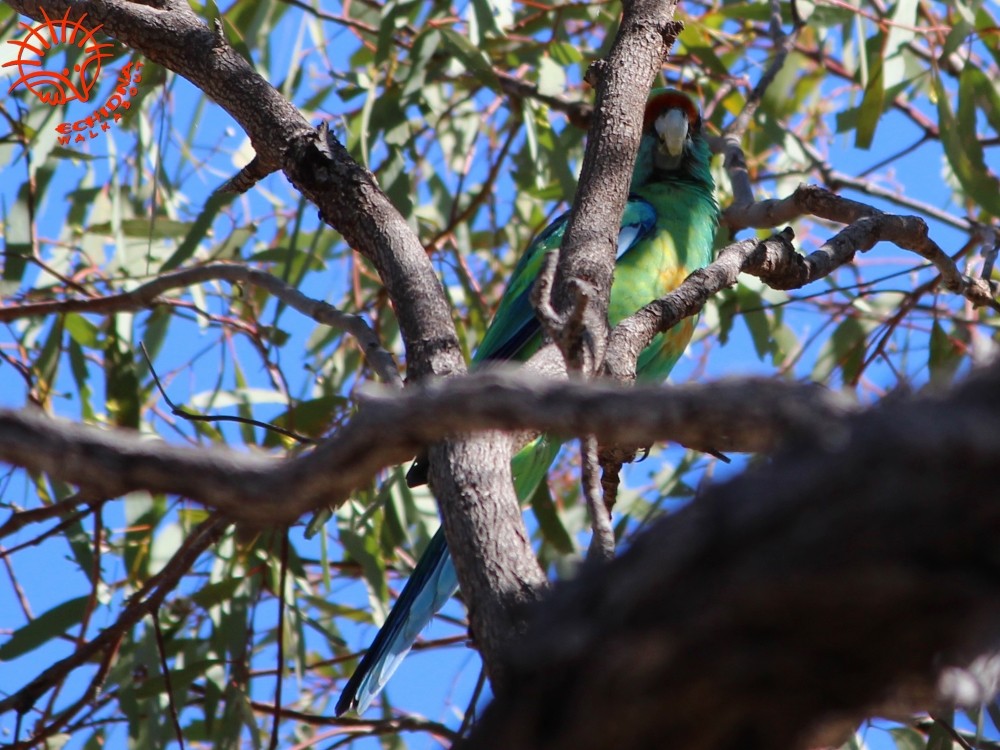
(856, 573)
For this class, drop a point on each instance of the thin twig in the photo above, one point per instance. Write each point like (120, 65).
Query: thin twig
(192, 417)
(167, 682)
(143, 602)
(732, 135)
(280, 657)
(470, 711)
(602, 542)
(150, 295)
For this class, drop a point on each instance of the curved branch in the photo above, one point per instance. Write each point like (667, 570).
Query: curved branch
(749, 415)
(150, 294)
(868, 226)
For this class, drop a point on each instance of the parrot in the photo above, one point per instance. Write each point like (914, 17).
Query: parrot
(667, 231)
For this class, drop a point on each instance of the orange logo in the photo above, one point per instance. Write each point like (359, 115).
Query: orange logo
(57, 88)
(51, 87)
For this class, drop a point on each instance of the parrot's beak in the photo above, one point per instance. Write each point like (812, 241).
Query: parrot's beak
(672, 129)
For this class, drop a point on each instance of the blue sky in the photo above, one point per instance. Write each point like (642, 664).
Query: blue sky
(207, 147)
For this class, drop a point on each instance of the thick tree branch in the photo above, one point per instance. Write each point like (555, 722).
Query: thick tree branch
(776, 262)
(347, 195)
(389, 427)
(850, 571)
(867, 226)
(581, 290)
(582, 282)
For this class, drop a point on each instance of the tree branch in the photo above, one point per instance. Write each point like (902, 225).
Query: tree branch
(846, 573)
(748, 415)
(582, 284)
(150, 294)
(580, 299)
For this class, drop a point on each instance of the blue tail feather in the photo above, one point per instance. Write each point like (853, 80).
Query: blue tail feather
(431, 585)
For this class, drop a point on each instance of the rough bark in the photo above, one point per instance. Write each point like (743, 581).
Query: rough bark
(482, 516)
(582, 284)
(749, 415)
(350, 200)
(856, 569)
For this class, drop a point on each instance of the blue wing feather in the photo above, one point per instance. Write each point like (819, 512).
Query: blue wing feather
(514, 331)
(638, 223)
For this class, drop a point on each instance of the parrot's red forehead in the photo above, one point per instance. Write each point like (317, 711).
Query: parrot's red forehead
(669, 100)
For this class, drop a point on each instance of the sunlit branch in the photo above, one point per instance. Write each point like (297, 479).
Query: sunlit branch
(865, 227)
(151, 293)
(390, 428)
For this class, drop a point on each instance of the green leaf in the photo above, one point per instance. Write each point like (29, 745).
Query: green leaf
(907, 739)
(46, 364)
(82, 331)
(44, 628)
(551, 78)
(122, 387)
(488, 18)
(198, 230)
(964, 153)
(364, 550)
(159, 229)
(549, 522)
(213, 594)
(472, 58)
(311, 417)
(984, 92)
(751, 305)
(901, 33)
(565, 54)
(180, 680)
(17, 229)
(844, 350)
(939, 738)
(81, 377)
(946, 353)
(424, 49)
(872, 106)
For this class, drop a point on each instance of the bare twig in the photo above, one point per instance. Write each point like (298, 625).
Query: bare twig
(144, 602)
(192, 417)
(280, 658)
(167, 681)
(152, 293)
(729, 143)
(602, 543)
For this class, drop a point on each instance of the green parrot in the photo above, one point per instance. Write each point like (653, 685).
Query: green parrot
(667, 231)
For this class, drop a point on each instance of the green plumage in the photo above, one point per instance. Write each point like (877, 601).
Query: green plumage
(667, 231)
(666, 244)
